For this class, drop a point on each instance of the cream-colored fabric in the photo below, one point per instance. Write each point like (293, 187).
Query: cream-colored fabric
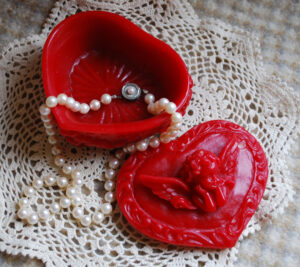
(230, 83)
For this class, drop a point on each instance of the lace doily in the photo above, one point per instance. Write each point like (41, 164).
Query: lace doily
(230, 84)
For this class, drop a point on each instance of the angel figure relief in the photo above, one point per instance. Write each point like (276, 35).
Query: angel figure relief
(205, 180)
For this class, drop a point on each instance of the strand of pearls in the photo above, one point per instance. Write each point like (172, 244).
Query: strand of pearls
(72, 182)
(75, 106)
(130, 91)
(155, 108)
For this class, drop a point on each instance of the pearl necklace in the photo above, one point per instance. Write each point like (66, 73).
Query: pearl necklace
(72, 185)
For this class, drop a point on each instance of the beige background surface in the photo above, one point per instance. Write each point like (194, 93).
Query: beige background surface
(277, 23)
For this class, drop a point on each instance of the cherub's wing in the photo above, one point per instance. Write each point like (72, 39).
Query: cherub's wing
(228, 157)
(171, 189)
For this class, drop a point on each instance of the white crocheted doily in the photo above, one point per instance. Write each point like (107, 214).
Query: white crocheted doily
(230, 84)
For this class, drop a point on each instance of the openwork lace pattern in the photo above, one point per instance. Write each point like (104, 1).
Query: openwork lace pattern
(230, 84)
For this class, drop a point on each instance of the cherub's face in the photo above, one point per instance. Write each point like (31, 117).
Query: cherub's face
(199, 165)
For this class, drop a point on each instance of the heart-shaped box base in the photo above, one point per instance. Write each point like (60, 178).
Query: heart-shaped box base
(95, 52)
(199, 190)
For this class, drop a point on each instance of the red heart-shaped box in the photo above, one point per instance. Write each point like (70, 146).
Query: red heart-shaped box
(199, 190)
(95, 52)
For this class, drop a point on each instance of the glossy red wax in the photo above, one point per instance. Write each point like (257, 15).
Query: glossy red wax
(95, 52)
(200, 190)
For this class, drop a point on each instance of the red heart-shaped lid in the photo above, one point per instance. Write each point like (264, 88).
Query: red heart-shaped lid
(96, 52)
(198, 190)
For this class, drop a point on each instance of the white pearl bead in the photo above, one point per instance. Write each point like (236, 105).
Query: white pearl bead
(76, 201)
(71, 192)
(106, 99)
(149, 98)
(106, 208)
(163, 102)
(170, 108)
(23, 213)
(76, 106)
(150, 108)
(62, 99)
(176, 117)
(110, 174)
(55, 208)
(131, 148)
(50, 131)
(86, 220)
(70, 102)
(120, 154)
(50, 180)
(44, 214)
(109, 185)
(95, 105)
(32, 218)
(62, 182)
(84, 108)
(77, 213)
(48, 125)
(172, 133)
(98, 217)
(52, 140)
(77, 182)
(164, 138)
(44, 110)
(157, 108)
(175, 126)
(56, 150)
(154, 142)
(51, 101)
(46, 119)
(59, 161)
(37, 183)
(29, 191)
(114, 163)
(76, 174)
(23, 202)
(131, 90)
(109, 196)
(67, 169)
(141, 145)
(65, 202)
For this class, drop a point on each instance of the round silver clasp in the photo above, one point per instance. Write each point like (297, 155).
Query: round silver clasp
(131, 91)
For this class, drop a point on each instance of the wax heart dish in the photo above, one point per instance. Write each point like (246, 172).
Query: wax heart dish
(94, 54)
(199, 190)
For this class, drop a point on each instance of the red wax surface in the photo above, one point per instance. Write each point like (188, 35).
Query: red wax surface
(161, 191)
(96, 52)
